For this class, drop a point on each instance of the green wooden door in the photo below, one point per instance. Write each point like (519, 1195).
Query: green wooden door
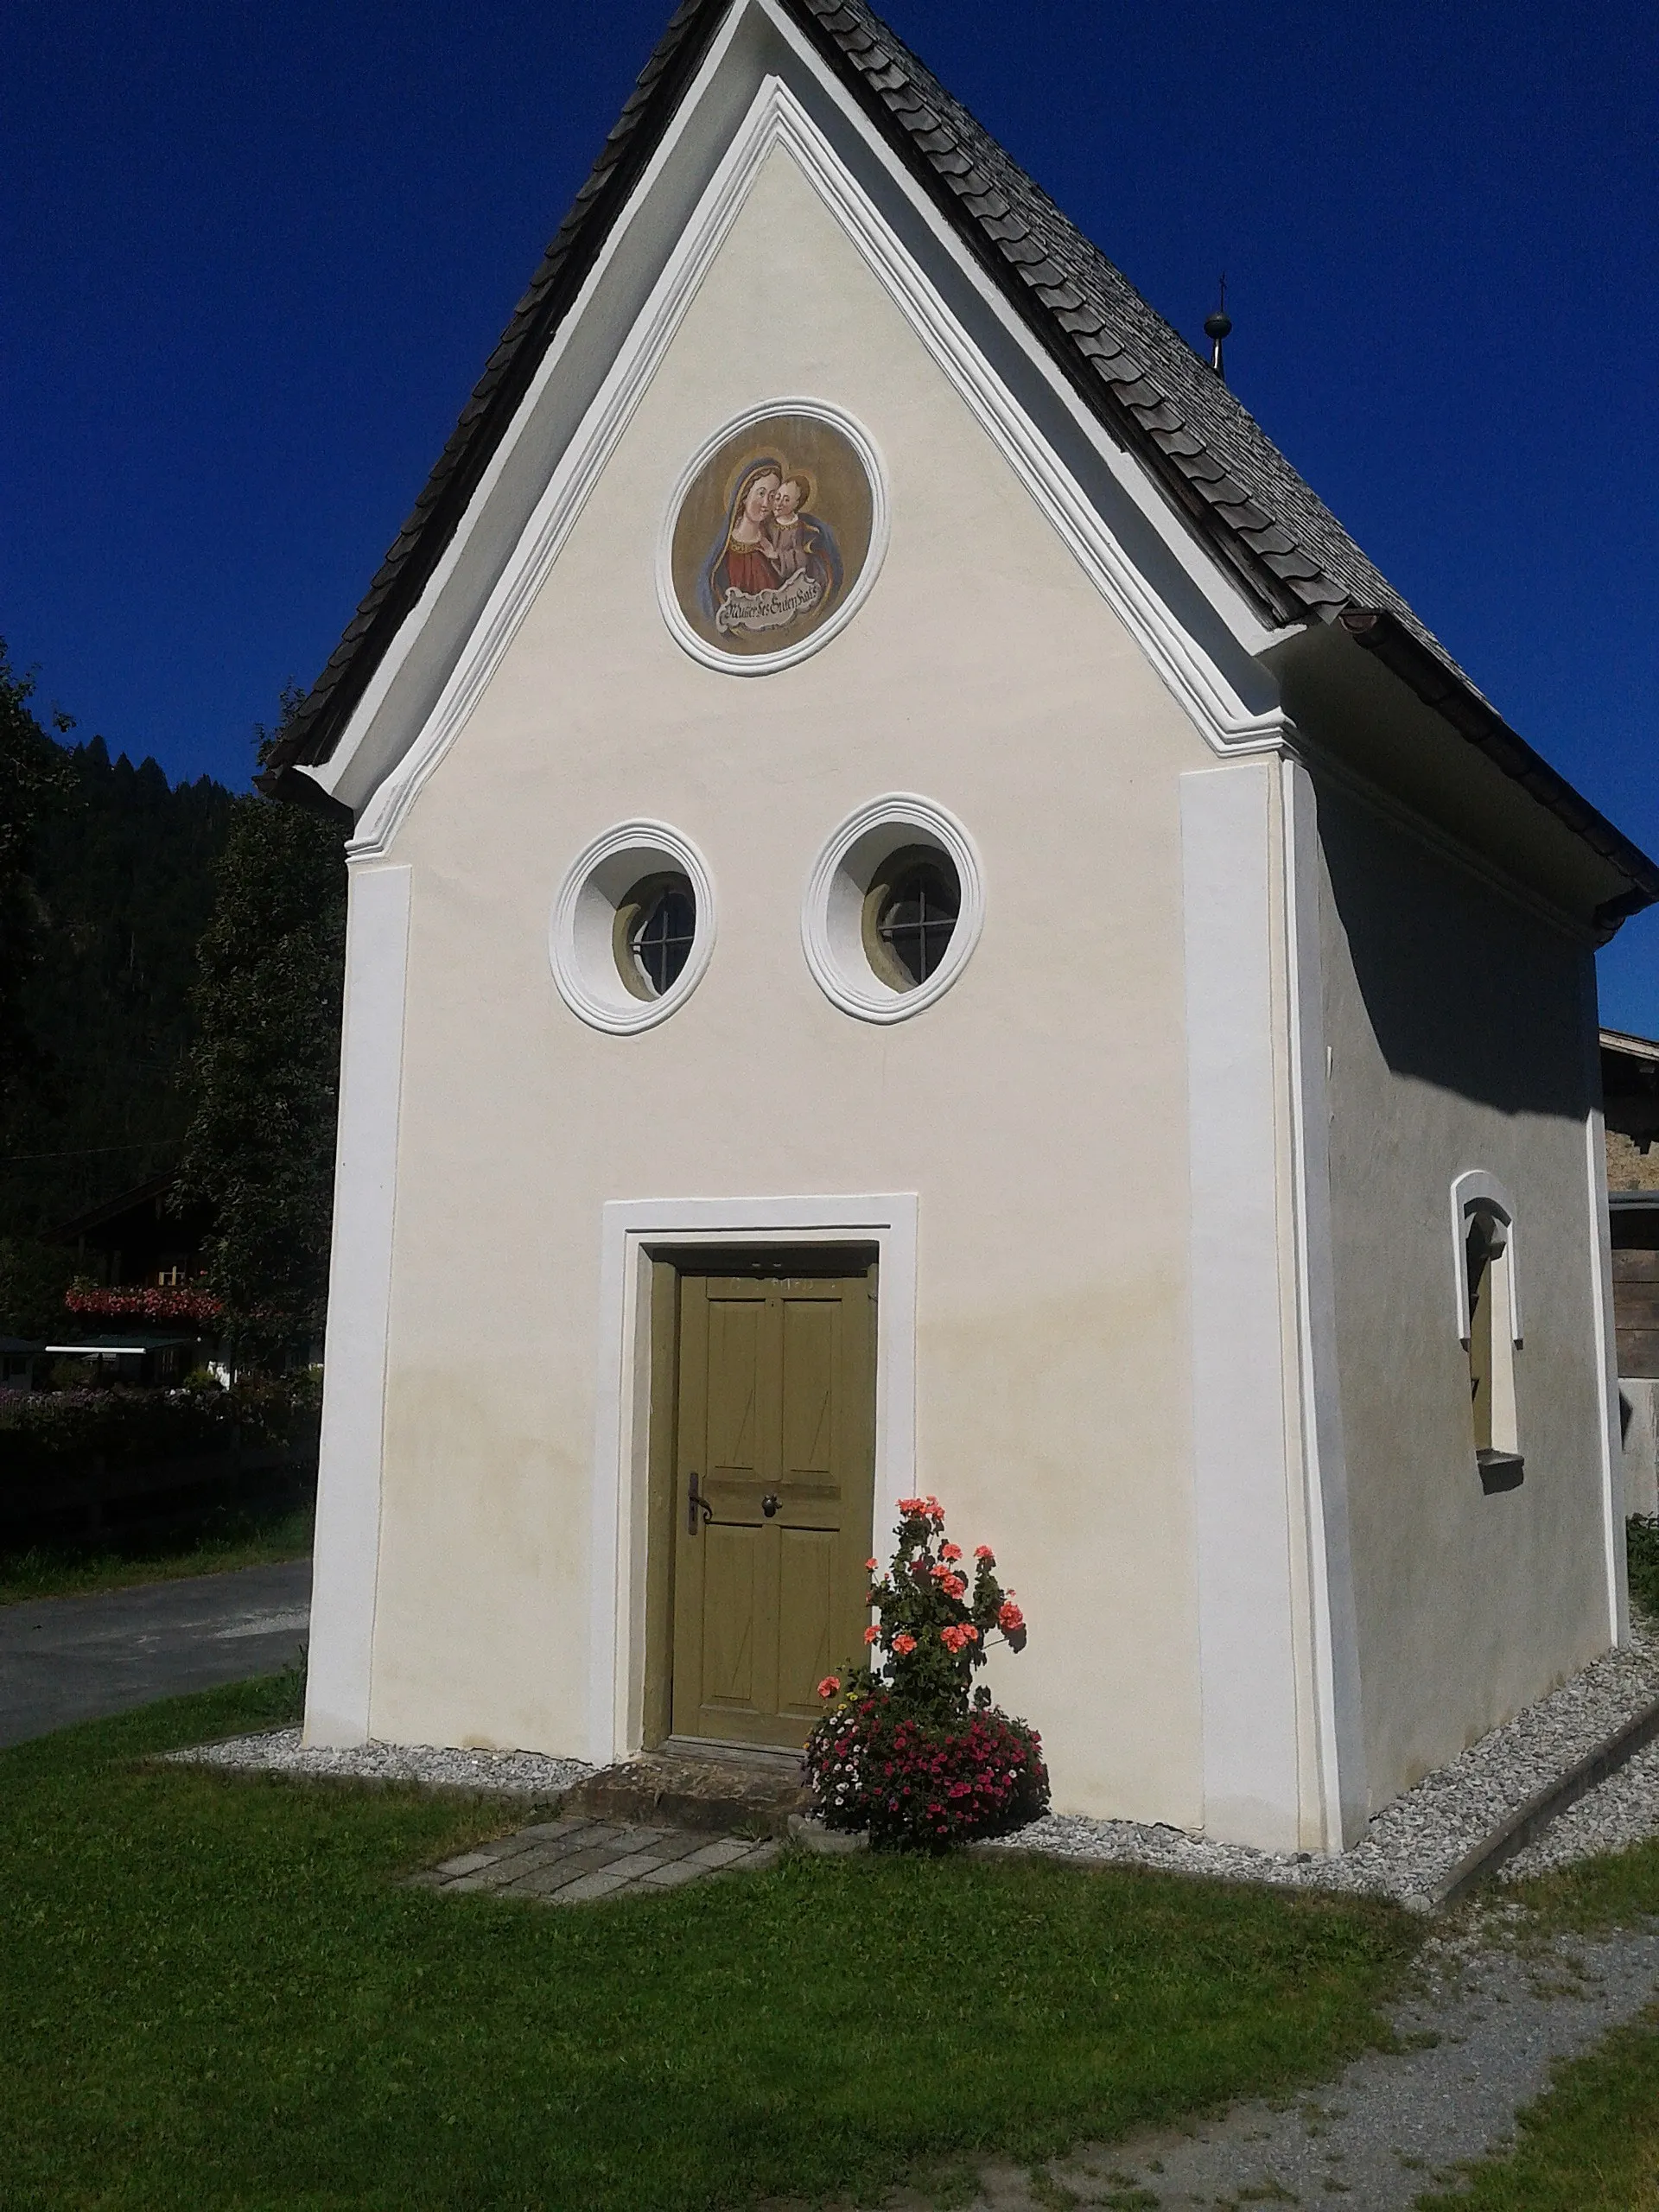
(775, 1441)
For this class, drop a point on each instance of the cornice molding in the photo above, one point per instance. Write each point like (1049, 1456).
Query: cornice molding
(776, 120)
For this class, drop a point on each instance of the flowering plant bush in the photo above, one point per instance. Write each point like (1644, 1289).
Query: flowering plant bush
(908, 1747)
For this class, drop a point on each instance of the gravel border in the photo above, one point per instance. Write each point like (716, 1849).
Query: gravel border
(1622, 1811)
(1411, 1847)
(1408, 1850)
(430, 1766)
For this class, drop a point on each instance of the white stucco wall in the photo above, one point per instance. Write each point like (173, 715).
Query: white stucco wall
(1456, 1024)
(1038, 1110)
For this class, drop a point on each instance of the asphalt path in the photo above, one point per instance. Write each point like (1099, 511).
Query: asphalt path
(68, 1659)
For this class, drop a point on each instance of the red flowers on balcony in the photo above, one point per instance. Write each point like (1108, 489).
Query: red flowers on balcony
(142, 1302)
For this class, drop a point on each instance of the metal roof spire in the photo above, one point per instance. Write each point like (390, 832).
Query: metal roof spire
(1217, 326)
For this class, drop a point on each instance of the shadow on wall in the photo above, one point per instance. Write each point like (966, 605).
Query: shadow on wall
(1462, 988)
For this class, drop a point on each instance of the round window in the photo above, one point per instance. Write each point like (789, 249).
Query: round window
(893, 908)
(911, 911)
(655, 929)
(632, 927)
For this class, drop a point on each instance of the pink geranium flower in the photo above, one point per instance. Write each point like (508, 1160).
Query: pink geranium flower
(829, 1686)
(904, 1644)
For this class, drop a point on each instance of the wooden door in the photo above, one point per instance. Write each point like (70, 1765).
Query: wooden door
(775, 1488)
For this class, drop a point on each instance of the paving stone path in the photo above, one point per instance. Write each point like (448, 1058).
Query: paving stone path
(573, 1860)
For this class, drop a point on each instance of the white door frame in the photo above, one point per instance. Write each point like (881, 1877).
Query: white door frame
(631, 1228)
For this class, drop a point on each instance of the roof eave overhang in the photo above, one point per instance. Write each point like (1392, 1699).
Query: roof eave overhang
(1368, 698)
(1457, 703)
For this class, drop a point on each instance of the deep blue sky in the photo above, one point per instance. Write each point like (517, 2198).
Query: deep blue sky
(257, 255)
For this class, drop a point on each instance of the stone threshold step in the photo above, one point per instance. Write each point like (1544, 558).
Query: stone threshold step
(724, 1790)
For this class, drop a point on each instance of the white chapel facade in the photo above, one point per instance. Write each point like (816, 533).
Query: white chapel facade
(922, 919)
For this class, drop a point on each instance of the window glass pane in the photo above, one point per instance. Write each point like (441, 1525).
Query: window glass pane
(917, 917)
(661, 939)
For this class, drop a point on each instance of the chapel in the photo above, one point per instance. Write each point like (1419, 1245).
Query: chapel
(922, 919)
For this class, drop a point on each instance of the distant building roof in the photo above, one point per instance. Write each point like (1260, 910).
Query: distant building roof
(1630, 1088)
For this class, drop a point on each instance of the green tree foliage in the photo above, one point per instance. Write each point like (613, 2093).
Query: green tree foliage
(34, 1276)
(120, 891)
(264, 1073)
(34, 779)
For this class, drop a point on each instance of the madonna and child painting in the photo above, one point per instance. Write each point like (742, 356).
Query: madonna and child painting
(771, 534)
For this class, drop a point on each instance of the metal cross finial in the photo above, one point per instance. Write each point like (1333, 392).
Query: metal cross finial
(1216, 326)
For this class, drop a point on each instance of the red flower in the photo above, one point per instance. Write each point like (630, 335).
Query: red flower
(984, 1552)
(904, 1644)
(1010, 1616)
(950, 1551)
(870, 1565)
(829, 1686)
(871, 1635)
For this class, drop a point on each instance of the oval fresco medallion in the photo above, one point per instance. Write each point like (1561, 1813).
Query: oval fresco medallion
(773, 538)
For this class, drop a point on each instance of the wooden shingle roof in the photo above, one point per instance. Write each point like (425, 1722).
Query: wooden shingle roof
(1141, 377)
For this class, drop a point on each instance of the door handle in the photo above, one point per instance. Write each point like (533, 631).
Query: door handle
(769, 1503)
(696, 1502)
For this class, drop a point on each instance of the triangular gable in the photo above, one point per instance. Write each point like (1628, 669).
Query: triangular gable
(1279, 549)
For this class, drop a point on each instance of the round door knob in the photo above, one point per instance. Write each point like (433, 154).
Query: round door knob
(769, 1503)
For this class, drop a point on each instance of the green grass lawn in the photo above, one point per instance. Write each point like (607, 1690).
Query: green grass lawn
(214, 1994)
(236, 1539)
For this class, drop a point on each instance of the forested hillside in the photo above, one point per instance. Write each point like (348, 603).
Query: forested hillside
(170, 972)
(122, 888)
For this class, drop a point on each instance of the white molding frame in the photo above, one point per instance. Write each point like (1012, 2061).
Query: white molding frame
(346, 1554)
(631, 1229)
(578, 938)
(831, 912)
(1244, 1456)
(1611, 1443)
(1344, 1791)
(777, 118)
(880, 528)
(1611, 1440)
(1475, 1187)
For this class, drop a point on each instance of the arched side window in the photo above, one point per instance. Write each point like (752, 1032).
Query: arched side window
(1489, 1320)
